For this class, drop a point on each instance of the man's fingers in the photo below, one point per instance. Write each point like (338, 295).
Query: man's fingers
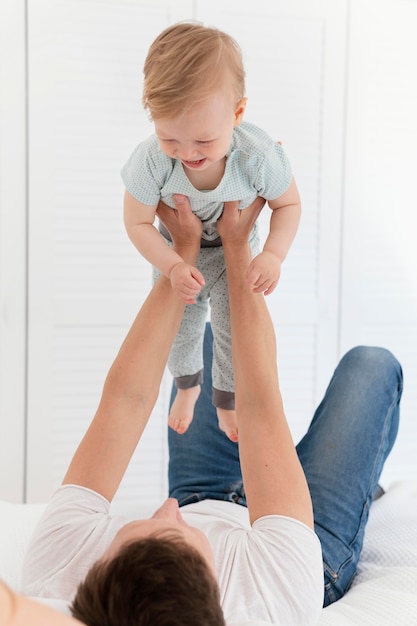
(181, 202)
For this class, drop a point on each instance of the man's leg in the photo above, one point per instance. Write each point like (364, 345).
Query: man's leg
(343, 453)
(203, 462)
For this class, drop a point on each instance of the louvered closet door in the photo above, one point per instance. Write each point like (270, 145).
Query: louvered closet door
(295, 60)
(86, 281)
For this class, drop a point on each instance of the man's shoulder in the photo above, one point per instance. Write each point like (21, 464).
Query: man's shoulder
(277, 549)
(77, 496)
(73, 532)
(70, 509)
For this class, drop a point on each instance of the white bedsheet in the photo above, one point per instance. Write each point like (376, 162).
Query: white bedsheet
(384, 592)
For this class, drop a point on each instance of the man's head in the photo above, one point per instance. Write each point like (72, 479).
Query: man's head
(157, 581)
(156, 572)
(185, 64)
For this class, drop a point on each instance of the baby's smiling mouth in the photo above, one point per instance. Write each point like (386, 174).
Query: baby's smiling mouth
(197, 163)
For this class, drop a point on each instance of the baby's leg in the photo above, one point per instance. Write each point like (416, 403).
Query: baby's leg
(203, 463)
(182, 409)
(186, 365)
(222, 372)
(228, 423)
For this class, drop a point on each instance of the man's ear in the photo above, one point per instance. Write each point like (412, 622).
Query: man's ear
(240, 111)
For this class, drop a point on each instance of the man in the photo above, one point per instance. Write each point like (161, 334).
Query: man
(259, 564)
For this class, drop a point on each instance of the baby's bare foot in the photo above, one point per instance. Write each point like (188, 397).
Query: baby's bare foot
(182, 410)
(228, 423)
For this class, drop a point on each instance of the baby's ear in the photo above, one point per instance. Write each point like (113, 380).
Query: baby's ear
(240, 111)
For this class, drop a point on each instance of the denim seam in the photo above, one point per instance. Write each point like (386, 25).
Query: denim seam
(336, 575)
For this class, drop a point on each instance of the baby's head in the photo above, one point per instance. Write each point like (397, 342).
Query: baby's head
(185, 64)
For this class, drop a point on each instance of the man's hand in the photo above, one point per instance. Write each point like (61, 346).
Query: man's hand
(264, 272)
(235, 225)
(182, 224)
(185, 229)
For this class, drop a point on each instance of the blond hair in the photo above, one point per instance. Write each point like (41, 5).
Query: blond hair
(185, 64)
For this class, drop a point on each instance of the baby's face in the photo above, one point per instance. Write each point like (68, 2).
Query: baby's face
(201, 136)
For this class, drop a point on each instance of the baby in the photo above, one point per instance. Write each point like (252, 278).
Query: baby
(194, 92)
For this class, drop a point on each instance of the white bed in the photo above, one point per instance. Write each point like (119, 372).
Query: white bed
(384, 592)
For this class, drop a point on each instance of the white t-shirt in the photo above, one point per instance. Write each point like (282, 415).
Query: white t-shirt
(269, 573)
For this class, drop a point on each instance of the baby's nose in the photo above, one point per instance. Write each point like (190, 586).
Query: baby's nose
(188, 153)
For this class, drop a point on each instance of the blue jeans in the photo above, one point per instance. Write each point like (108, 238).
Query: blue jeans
(343, 453)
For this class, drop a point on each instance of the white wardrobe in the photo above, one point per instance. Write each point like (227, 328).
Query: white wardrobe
(334, 80)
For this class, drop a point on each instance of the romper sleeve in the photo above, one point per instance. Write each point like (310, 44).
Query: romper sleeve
(275, 174)
(146, 171)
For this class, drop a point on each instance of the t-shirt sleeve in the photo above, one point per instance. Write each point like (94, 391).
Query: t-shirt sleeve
(144, 173)
(281, 570)
(275, 173)
(72, 534)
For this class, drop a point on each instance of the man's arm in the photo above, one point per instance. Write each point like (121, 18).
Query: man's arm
(272, 474)
(132, 384)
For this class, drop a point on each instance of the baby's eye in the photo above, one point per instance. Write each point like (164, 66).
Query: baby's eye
(206, 141)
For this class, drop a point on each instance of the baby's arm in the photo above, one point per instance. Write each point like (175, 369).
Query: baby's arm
(185, 279)
(265, 269)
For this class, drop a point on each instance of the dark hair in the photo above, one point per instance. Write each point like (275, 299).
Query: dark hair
(151, 582)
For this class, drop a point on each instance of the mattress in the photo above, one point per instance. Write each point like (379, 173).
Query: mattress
(383, 593)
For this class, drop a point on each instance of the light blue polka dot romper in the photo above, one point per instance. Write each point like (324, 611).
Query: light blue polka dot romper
(256, 166)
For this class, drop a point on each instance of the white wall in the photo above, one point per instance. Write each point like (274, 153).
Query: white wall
(333, 79)
(13, 249)
(379, 270)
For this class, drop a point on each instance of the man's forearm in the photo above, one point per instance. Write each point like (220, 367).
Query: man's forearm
(272, 474)
(254, 361)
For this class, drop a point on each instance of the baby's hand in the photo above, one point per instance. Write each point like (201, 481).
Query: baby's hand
(186, 281)
(264, 272)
